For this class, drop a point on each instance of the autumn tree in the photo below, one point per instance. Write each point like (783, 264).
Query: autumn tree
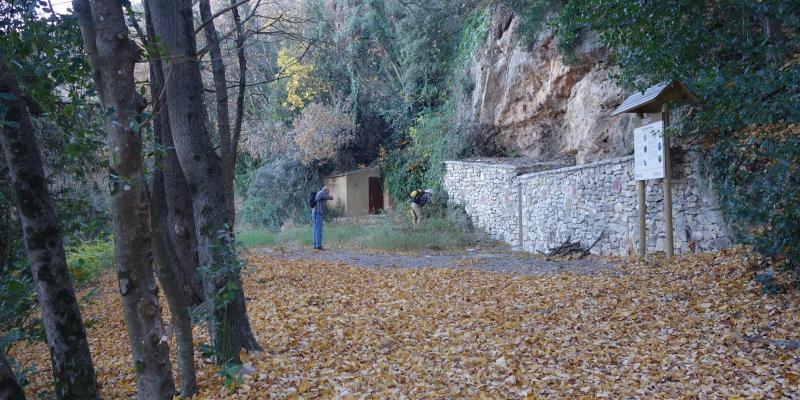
(73, 372)
(112, 56)
(229, 326)
(321, 131)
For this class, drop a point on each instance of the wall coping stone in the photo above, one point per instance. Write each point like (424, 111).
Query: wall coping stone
(520, 169)
(619, 160)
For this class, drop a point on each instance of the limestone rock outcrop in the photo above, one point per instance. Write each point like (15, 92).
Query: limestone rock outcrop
(529, 101)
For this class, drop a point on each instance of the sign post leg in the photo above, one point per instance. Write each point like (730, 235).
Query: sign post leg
(642, 215)
(667, 183)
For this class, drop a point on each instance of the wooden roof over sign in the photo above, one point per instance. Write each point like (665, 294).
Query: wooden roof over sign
(652, 98)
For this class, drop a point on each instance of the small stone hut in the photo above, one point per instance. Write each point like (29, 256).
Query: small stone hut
(359, 192)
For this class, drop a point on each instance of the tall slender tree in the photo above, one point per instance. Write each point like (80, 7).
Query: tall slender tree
(220, 101)
(112, 56)
(165, 249)
(73, 373)
(229, 326)
(228, 136)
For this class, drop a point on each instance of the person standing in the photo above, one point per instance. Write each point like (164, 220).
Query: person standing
(316, 216)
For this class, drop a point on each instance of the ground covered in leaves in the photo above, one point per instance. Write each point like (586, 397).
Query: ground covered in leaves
(655, 330)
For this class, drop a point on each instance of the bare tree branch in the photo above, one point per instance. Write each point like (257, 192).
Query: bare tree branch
(217, 14)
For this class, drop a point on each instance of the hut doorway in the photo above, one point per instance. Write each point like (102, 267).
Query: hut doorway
(375, 195)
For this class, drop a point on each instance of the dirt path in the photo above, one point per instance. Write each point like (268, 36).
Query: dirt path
(483, 260)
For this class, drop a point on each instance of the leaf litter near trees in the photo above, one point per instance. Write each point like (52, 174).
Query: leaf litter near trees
(330, 330)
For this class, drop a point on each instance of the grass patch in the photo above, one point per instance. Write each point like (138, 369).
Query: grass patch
(383, 232)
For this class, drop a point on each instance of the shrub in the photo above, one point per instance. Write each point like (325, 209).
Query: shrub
(278, 193)
(17, 299)
(532, 15)
(88, 259)
(759, 184)
(419, 152)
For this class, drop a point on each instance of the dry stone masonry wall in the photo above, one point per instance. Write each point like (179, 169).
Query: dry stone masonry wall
(488, 192)
(581, 202)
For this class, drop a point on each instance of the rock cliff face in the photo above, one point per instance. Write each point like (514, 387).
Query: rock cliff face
(529, 101)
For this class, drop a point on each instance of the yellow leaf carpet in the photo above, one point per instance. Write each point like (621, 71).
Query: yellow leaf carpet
(651, 330)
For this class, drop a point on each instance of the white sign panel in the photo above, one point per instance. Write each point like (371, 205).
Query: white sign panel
(648, 151)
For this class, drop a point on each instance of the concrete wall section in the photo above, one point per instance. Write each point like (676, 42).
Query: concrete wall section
(338, 188)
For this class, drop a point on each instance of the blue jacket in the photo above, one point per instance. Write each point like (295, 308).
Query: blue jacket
(320, 200)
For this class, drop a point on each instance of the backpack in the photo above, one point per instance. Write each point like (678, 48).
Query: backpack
(424, 198)
(312, 199)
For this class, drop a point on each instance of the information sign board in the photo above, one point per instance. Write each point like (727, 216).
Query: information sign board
(648, 151)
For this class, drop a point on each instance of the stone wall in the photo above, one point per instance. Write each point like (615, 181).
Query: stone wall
(488, 193)
(581, 202)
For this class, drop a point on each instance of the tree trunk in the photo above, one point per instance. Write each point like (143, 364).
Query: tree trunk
(112, 56)
(181, 220)
(179, 215)
(203, 170)
(9, 387)
(168, 262)
(166, 266)
(774, 37)
(221, 102)
(73, 373)
(237, 128)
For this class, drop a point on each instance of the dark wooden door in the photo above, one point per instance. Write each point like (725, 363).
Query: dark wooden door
(375, 195)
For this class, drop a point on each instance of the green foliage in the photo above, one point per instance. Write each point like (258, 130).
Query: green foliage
(246, 166)
(231, 378)
(417, 160)
(44, 51)
(532, 15)
(471, 36)
(88, 259)
(759, 184)
(278, 194)
(740, 58)
(17, 299)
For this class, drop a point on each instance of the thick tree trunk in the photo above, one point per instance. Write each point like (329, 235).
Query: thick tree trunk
(168, 263)
(203, 170)
(179, 217)
(112, 56)
(166, 260)
(166, 266)
(73, 373)
(9, 387)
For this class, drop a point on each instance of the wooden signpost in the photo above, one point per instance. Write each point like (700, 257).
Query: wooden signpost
(652, 159)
